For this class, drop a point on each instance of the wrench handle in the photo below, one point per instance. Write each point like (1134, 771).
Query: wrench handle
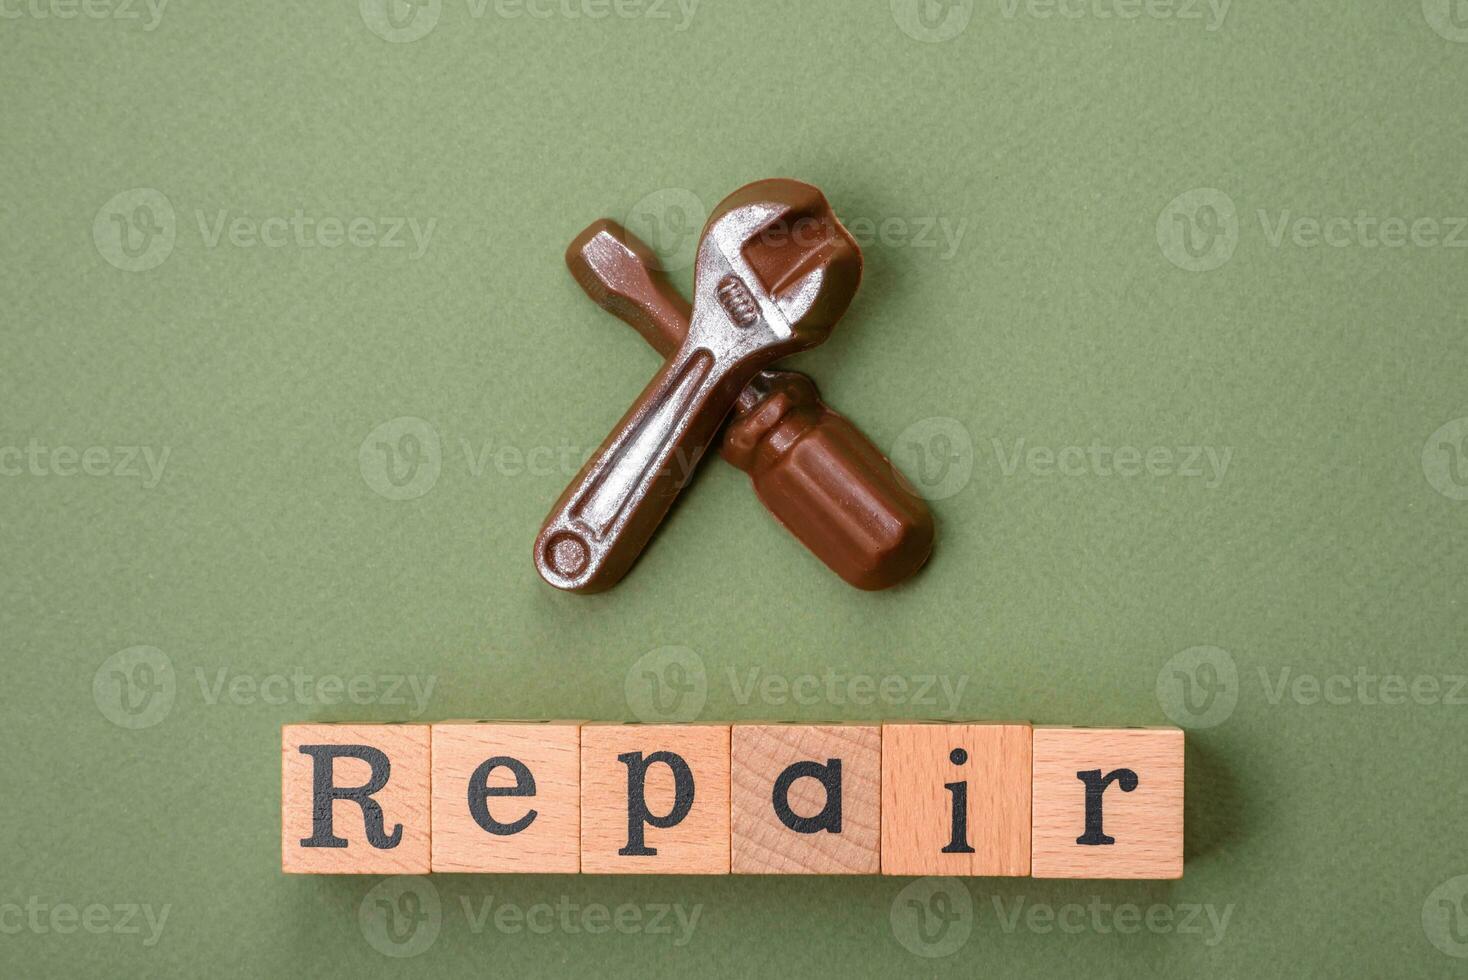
(610, 511)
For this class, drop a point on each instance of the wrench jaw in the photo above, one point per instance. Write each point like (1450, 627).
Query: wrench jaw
(777, 262)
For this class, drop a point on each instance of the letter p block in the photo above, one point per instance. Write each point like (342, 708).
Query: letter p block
(655, 799)
(354, 799)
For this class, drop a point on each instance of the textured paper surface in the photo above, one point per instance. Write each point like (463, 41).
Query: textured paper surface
(271, 544)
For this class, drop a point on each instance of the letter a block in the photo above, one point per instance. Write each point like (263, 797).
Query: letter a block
(507, 797)
(1108, 803)
(956, 799)
(354, 799)
(806, 799)
(655, 799)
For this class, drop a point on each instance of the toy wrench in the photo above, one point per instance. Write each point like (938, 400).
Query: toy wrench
(775, 271)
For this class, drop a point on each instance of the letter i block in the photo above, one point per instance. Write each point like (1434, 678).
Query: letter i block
(354, 799)
(655, 799)
(806, 799)
(1108, 803)
(507, 797)
(956, 799)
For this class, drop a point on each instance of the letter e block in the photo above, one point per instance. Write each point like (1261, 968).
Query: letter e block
(354, 799)
(507, 797)
(655, 799)
(1108, 803)
(956, 799)
(806, 799)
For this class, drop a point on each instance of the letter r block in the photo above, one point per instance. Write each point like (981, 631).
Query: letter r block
(354, 799)
(1108, 803)
(655, 799)
(784, 815)
(956, 799)
(507, 797)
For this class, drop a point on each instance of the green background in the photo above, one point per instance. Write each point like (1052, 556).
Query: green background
(1332, 544)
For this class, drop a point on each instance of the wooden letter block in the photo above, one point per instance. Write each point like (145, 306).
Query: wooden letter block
(956, 799)
(655, 799)
(507, 797)
(354, 799)
(1108, 803)
(806, 799)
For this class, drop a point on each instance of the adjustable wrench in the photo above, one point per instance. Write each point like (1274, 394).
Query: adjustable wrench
(819, 476)
(761, 293)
